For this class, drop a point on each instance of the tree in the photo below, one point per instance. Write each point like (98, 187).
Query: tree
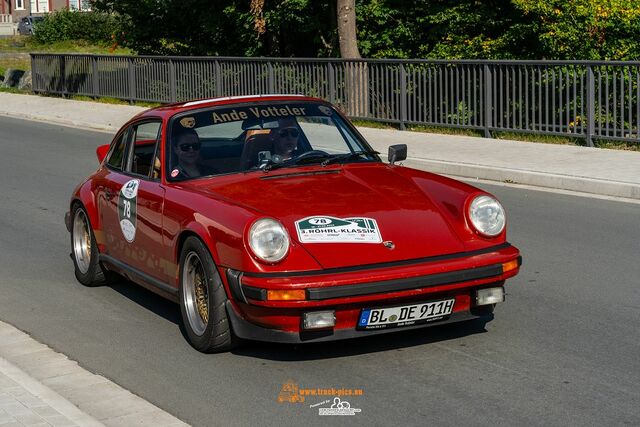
(347, 35)
(356, 73)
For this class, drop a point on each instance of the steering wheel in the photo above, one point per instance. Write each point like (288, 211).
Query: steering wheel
(312, 153)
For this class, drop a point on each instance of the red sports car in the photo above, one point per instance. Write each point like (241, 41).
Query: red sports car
(271, 218)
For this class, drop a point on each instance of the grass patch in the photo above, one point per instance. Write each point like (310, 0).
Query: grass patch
(14, 90)
(545, 139)
(616, 145)
(26, 44)
(116, 101)
(373, 124)
(513, 136)
(444, 130)
(16, 63)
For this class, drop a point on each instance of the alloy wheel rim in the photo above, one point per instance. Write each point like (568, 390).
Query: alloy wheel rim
(81, 241)
(195, 294)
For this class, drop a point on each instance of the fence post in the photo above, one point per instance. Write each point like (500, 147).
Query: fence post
(35, 80)
(272, 84)
(591, 111)
(218, 79)
(132, 81)
(172, 81)
(62, 84)
(332, 83)
(488, 101)
(94, 77)
(403, 97)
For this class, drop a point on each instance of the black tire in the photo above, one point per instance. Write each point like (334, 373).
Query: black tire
(217, 335)
(95, 274)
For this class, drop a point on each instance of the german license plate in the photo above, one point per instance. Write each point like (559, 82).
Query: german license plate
(405, 315)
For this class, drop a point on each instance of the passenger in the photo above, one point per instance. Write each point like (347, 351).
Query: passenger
(186, 148)
(285, 138)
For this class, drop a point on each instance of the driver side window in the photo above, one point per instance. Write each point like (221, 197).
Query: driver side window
(144, 151)
(117, 152)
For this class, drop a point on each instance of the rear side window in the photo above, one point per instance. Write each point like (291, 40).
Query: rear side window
(117, 152)
(144, 159)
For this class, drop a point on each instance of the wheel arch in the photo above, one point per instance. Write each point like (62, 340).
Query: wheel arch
(85, 198)
(199, 231)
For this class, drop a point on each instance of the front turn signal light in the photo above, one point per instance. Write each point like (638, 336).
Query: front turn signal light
(511, 265)
(286, 295)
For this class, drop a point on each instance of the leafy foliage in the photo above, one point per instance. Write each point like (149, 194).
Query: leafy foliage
(93, 27)
(492, 29)
(225, 27)
(585, 29)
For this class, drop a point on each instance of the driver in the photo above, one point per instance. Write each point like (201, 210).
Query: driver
(285, 138)
(186, 149)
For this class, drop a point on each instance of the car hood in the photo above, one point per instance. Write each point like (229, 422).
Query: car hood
(346, 216)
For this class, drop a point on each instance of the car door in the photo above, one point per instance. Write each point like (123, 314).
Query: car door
(108, 184)
(132, 216)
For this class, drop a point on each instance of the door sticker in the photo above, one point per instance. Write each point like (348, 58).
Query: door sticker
(127, 209)
(328, 229)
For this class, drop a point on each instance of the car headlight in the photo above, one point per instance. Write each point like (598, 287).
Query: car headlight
(487, 215)
(269, 240)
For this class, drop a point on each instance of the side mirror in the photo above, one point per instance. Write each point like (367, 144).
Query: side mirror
(397, 153)
(101, 152)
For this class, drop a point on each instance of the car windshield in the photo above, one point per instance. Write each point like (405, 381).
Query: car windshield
(262, 136)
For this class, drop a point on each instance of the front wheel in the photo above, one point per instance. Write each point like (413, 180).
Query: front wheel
(203, 300)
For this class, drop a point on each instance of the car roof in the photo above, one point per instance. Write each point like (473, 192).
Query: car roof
(171, 109)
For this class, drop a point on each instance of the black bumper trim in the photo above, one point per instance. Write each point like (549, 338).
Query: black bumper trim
(258, 294)
(317, 294)
(234, 278)
(381, 265)
(249, 331)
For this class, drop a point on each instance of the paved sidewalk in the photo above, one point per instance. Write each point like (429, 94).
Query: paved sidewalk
(39, 387)
(589, 170)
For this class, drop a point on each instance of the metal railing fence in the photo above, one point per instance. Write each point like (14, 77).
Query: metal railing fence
(569, 98)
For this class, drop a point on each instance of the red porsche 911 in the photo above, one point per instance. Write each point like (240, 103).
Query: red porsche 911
(270, 218)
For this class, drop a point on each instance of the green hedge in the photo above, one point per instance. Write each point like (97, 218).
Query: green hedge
(93, 27)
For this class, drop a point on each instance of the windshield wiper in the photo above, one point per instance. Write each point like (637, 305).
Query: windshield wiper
(300, 160)
(348, 156)
(324, 158)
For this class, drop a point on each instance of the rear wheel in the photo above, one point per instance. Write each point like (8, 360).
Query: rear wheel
(203, 300)
(84, 251)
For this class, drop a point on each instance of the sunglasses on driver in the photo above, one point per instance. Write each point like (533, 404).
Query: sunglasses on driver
(193, 146)
(292, 132)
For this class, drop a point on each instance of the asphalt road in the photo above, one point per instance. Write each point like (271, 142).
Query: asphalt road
(563, 350)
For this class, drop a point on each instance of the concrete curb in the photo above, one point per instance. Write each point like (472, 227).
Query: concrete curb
(48, 396)
(84, 398)
(61, 121)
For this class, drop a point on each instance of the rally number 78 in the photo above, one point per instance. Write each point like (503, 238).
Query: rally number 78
(127, 208)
